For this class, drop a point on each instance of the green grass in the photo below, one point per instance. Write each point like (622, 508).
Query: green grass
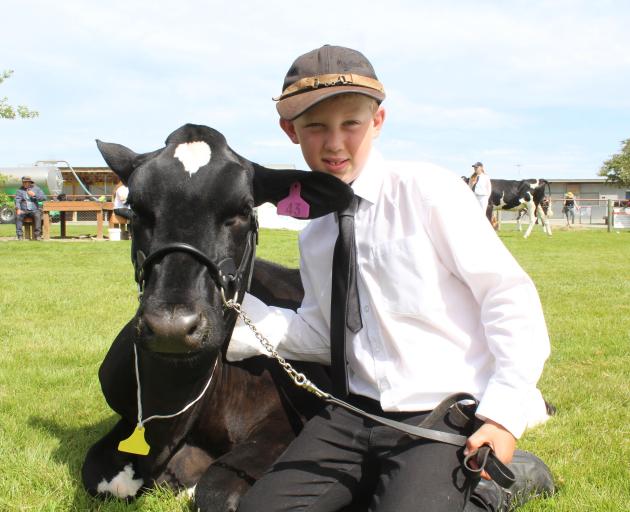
(72, 230)
(61, 305)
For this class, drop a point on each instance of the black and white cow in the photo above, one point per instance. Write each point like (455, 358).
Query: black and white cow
(194, 235)
(525, 197)
(519, 195)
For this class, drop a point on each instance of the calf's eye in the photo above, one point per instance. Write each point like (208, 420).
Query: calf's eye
(240, 217)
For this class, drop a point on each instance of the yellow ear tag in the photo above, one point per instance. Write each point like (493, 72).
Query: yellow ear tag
(135, 443)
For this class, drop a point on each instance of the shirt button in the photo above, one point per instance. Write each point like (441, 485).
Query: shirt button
(366, 309)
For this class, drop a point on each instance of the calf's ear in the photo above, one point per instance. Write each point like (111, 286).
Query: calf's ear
(119, 158)
(324, 193)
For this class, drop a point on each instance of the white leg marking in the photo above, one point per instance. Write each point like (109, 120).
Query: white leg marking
(544, 220)
(122, 485)
(519, 219)
(531, 212)
(193, 155)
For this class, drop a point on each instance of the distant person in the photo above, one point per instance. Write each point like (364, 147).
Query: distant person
(480, 184)
(27, 199)
(121, 206)
(569, 208)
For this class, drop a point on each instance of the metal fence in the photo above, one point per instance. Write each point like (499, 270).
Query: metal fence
(587, 212)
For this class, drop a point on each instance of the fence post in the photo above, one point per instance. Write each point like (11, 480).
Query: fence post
(610, 215)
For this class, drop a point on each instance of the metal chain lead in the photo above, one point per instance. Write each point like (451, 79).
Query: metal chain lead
(298, 378)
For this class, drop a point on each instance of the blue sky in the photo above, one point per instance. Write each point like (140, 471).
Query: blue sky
(531, 88)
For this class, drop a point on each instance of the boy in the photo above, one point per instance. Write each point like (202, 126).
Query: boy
(443, 308)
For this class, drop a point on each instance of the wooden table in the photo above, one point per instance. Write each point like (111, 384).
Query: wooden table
(74, 206)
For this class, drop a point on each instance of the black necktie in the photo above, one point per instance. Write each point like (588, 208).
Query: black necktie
(344, 302)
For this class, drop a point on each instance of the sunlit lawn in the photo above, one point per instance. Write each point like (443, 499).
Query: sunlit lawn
(72, 230)
(61, 305)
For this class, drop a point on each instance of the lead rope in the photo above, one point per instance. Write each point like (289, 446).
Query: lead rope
(141, 422)
(136, 442)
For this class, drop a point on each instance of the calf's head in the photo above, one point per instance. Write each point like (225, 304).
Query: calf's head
(194, 231)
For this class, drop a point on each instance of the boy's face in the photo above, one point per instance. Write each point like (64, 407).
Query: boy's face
(336, 135)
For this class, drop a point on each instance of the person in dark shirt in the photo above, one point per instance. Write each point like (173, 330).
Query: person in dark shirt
(569, 208)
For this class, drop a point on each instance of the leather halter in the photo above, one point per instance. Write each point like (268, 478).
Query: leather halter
(229, 279)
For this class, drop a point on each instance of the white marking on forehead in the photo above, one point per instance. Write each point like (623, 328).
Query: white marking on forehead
(193, 155)
(123, 485)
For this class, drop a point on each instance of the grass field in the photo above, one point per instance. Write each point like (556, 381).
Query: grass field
(78, 231)
(61, 305)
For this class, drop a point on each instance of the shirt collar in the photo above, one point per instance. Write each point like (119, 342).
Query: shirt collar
(369, 182)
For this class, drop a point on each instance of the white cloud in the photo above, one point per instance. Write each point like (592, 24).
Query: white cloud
(405, 109)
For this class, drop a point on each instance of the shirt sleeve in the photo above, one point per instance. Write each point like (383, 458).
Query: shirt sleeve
(511, 312)
(302, 335)
(483, 187)
(122, 193)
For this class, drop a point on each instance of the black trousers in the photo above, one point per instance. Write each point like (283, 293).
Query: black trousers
(340, 459)
(124, 212)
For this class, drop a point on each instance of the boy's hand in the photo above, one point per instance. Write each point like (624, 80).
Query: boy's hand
(497, 437)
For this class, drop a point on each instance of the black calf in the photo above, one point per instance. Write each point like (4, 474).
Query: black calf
(193, 204)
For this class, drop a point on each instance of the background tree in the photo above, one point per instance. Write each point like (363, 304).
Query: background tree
(617, 168)
(4, 197)
(9, 112)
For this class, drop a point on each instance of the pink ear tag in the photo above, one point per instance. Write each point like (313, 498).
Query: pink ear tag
(293, 205)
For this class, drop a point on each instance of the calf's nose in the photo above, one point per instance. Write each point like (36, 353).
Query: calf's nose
(173, 332)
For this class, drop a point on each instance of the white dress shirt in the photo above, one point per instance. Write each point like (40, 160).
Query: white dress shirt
(120, 197)
(445, 306)
(483, 187)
